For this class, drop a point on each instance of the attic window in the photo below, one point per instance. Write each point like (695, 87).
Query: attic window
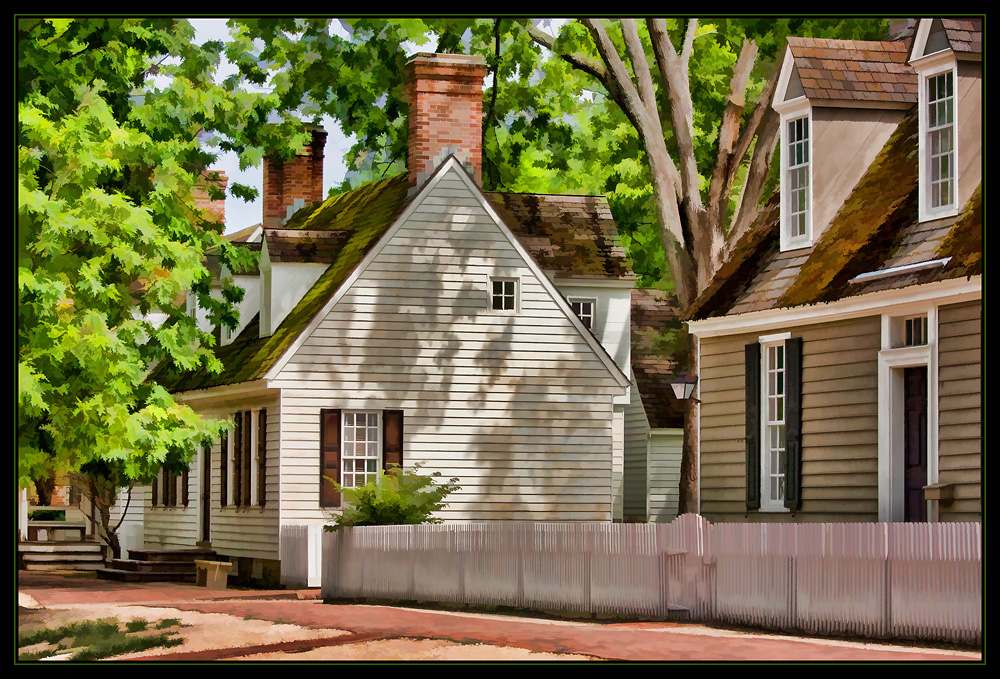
(503, 295)
(940, 140)
(796, 178)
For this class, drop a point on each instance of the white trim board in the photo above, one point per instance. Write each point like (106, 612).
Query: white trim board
(942, 292)
(453, 168)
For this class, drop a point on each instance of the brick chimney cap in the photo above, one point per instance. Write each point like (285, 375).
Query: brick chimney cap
(440, 57)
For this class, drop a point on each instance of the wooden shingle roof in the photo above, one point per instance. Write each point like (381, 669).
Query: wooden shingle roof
(572, 236)
(965, 35)
(876, 229)
(854, 70)
(656, 332)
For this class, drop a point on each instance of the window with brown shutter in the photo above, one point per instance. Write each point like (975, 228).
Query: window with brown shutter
(246, 461)
(237, 460)
(329, 457)
(261, 456)
(392, 439)
(224, 470)
(171, 492)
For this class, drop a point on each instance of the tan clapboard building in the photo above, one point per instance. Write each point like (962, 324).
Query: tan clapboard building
(840, 345)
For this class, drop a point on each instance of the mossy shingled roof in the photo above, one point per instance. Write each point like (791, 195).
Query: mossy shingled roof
(365, 213)
(876, 228)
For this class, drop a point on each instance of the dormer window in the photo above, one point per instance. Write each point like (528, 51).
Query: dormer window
(934, 61)
(796, 177)
(940, 141)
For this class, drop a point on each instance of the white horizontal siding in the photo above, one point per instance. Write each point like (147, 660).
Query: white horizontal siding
(518, 407)
(665, 451)
(636, 451)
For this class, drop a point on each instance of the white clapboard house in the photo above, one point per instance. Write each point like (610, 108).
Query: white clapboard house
(416, 319)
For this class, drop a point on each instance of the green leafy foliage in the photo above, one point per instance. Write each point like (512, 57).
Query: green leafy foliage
(118, 120)
(396, 497)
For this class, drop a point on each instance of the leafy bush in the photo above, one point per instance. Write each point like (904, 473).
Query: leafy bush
(394, 497)
(47, 515)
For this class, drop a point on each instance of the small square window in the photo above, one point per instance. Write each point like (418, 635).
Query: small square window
(584, 310)
(503, 294)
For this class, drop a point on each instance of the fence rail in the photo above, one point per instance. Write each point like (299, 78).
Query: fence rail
(882, 580)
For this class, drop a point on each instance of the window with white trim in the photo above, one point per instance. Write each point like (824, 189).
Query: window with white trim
(773, 426)
(503, 295)
(940, 141)
(797, 176)
(584, 310)
(362, 448)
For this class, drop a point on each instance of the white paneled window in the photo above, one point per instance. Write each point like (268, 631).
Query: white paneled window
(940, 141)
(362, 449)
(584, 310)
(797, 178)
(915, 331)
(503, 295)
(773, 424)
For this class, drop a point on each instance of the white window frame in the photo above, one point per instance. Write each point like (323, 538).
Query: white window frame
(592, 301)
(517, 294)
(930, 67)
(768, 342)
(790, 111)
(344, 457)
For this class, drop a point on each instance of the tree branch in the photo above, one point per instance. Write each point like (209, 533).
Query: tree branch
(692, 27)
(675, 77)
(727, 162)
(578, 61)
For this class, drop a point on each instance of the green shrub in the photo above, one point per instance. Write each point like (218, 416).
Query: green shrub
(396, 497)
(47, 515)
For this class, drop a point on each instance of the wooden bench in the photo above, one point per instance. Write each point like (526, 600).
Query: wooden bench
(51, 526)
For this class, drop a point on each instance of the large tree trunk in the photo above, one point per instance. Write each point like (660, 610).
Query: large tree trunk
(45, 489)
(689, 496)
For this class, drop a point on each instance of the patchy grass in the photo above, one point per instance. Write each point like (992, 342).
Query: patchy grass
(96, 639)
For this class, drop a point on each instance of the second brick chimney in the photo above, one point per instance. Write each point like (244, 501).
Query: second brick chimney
(445, 93)
(294, 183)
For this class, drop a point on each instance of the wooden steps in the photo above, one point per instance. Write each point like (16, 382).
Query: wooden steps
(51, 555)
(159, 565)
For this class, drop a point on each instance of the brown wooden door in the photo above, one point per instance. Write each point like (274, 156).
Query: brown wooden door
(915, 442)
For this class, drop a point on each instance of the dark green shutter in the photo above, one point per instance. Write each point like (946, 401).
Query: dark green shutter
(171, 491)
(392, 439)
(184, 488)
(753, 425)
(261, 456)
(155, 491)
(224, 470)
(793, 423)
(246, 462)
(238, 461)
(329, 457)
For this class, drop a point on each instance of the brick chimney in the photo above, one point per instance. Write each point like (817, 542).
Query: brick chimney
(216, 209)
(294, 183)
(445, 93)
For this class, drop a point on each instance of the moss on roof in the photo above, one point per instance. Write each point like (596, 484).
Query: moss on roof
(366, 213)
(746, 258)
(964, 243)
(868, 223)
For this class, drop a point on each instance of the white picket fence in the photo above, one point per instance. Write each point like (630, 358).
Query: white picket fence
(921, 581)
